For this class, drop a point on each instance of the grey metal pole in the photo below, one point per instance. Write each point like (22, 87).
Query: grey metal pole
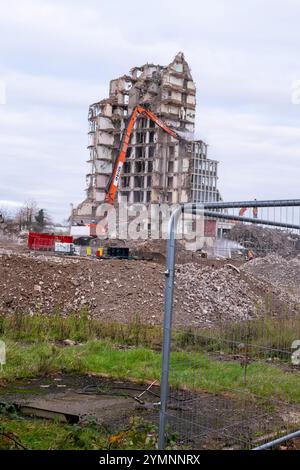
(169, 291)
(217, 215)
(169, 286)
(240, 204)
(278, 441)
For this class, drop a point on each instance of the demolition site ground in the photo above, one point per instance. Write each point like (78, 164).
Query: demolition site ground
(83, 341)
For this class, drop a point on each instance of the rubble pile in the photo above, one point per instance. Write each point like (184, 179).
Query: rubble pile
(210, 295)
(39, 284)
(283, 274)
(264, 240)
(111, 290)
(126, 290)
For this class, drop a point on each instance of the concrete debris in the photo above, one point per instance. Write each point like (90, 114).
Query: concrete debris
(69, 342)
(265, 240)
(126, 291)
(283, 274)
(229, 265)
(214, 295)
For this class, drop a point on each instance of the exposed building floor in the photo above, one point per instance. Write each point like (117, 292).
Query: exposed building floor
(159, 168)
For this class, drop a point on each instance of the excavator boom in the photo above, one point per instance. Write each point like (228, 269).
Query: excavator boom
(113, 183)
(243, 210)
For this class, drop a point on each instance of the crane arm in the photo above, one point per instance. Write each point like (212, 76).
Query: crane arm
(244, 209)
(113, 183)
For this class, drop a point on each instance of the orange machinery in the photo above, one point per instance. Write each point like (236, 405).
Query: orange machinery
(243, 210)
(113, 183)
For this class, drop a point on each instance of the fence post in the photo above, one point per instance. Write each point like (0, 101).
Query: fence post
(205, 210)
(169, 290)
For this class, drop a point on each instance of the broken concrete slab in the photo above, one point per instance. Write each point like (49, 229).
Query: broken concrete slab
(73, 407)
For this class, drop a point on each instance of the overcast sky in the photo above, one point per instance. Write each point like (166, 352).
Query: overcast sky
(57, 57)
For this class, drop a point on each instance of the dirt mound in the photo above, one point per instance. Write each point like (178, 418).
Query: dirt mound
(113, 289)
(121, 290)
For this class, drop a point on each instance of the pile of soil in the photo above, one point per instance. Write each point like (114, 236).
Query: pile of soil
(122, 290)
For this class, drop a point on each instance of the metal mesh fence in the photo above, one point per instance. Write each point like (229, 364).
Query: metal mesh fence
(233, 372)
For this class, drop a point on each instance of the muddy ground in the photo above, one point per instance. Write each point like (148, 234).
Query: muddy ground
(196, 419)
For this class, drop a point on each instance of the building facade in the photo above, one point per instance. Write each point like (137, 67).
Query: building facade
(158, 167)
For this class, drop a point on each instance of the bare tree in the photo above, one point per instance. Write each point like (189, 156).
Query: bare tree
(25, 216)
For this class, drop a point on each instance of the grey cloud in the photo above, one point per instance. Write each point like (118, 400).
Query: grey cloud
(59, 57)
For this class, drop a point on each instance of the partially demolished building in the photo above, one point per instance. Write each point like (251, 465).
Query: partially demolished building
(158, 168)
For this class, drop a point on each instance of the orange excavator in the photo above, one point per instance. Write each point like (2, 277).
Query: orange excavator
(113, 183)
(244, 209)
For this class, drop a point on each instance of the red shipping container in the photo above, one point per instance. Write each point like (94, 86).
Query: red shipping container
(46, 241)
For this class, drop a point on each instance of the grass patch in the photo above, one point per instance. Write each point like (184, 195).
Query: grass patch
(265, 337)
(36, 434)
(33, 349)
(195, 370)
(17, 433)
(78, 327)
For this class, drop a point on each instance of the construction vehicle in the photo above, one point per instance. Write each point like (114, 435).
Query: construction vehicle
(114, 180)
(244, 209)
(113, 183)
